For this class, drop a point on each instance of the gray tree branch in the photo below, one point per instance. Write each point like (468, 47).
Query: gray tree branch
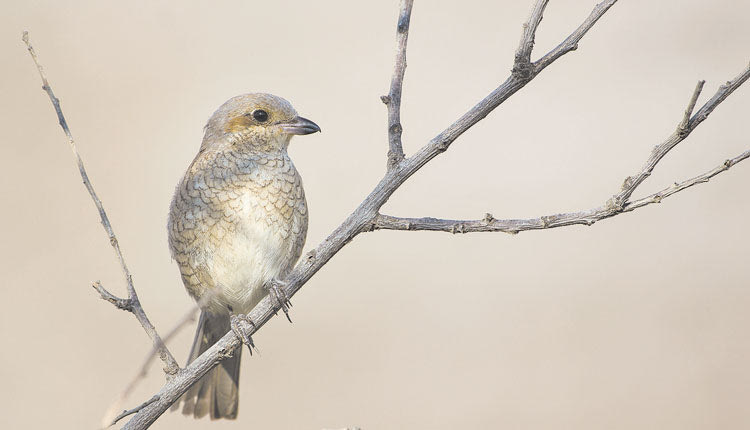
(393, 99)
(513, 226)
(131, 304)
(617, 204)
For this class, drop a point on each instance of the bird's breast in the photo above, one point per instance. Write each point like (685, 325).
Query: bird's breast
(249, 222)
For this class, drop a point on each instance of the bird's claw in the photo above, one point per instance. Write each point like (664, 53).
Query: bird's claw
(235, 323)
(274, 288)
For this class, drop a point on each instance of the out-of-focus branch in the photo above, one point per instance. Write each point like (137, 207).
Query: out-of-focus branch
(393, 99)
(131, 304)
(110, 416)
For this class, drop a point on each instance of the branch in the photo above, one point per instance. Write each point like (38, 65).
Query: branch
(571, 42)
(683, 130)
(131, 304)
(393, 99)
(619, 203)
(127, 412)
(361, 220)
(522, 64)
(189, 317)
(513, 226)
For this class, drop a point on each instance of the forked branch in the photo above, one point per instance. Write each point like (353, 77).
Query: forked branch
(131, 304)
(618, 203)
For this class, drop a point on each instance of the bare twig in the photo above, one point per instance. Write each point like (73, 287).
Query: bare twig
(513, 226)
(134, 410)
(619, 203)
(132, 303)
(691, 106)
(571, 42)
(522, 64)
(393, 99)
(123, 304)
(677, 187)
(632, 182)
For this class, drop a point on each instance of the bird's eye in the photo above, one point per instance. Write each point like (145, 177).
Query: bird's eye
(260, 115)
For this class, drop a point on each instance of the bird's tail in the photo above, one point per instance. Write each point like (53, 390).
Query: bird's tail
(217, 392)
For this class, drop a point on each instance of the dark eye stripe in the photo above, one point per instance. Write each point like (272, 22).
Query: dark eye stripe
(260, 115)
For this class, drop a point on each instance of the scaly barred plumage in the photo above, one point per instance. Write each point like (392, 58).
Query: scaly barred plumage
(238, 219)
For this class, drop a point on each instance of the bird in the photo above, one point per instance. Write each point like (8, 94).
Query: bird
(238, 220)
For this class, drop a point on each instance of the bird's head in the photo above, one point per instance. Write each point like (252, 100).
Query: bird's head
(263, 122)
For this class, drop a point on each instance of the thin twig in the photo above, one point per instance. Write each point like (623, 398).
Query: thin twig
(571, 42)
(513, 226)
(134, 410)
(619, 203)
(683, 127)
(124, 304)
(134, 305)
(393, 99)
(677, 187)
(512, 84)
(630, 183)
(522, 64)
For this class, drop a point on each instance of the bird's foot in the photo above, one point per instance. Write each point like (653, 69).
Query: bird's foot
(235, 322)
(275, 288)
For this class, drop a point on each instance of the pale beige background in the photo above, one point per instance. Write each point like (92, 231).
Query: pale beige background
(639, 322)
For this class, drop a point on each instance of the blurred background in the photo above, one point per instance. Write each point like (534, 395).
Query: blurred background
(640, 321)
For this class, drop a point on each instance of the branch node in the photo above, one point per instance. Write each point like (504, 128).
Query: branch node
(385, 99)
(523, 70)
(488, 218)
(130, 304)
(122, 304)
(615, 204)
(403, 24)
(627, 183)
(443, 145)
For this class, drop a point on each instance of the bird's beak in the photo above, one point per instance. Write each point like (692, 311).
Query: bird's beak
(300, 125)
